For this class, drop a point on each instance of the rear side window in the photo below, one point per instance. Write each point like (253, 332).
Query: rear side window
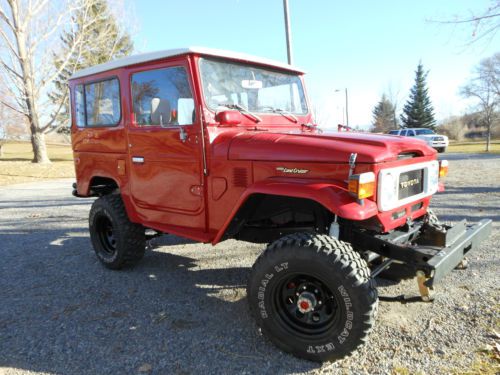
(79, 106)
(162, 97)
(102, 103)
(98, 103)
(394, 132)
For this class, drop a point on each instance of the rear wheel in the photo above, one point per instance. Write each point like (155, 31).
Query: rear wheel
(313, 296)
(441, 149)
(116, 240)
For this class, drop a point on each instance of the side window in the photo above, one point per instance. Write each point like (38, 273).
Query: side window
(403, 132)
(394, 132)
(102, 103)
(79, 106)
(411, 133)
(162, 97)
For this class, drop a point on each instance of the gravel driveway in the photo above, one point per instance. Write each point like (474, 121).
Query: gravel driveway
(183, 309)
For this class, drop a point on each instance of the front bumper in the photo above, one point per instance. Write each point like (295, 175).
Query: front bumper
(435, 250)
(438, 145)
(458, 241)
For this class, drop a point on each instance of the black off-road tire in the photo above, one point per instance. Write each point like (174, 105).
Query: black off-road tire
(441, 149)
(116, 240)
(298, 271)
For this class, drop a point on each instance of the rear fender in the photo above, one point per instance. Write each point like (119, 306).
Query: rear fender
(84, 186)
(333, 197)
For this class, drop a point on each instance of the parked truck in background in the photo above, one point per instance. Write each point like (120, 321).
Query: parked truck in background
(437, 141)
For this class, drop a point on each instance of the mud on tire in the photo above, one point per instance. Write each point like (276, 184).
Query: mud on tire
(116, 240)
(312, 295)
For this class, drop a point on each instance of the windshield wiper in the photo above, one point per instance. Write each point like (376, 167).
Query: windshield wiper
(286, 114)
(242, 110)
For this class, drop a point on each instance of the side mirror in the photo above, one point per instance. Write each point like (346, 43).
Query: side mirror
(228, 118)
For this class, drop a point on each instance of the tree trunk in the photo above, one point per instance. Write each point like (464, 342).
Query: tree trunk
(26, 62)
(489, 119)
(1, 149)
(39, 148)
(488, 139)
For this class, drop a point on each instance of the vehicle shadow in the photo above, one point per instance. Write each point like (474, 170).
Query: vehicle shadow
(64, 313)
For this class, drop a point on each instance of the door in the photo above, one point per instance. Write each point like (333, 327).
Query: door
(165, 148)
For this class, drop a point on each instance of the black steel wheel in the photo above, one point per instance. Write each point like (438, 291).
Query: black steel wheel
(313, 296)
(117, 241)
(306, 304)
(105, 231)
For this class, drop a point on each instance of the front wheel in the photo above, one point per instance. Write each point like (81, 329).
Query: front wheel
(313, 296)
(116, 240)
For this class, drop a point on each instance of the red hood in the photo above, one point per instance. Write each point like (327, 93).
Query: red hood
(327, 148)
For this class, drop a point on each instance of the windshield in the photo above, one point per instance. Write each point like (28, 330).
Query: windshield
(255, 89)
(424, 131)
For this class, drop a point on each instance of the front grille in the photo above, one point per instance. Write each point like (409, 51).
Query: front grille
(405, 184)
(411, 183)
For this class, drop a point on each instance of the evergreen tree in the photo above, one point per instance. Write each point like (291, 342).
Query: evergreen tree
(102, 41)
(418, 111)
(384, 116)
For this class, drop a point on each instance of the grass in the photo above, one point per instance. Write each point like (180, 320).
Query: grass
(474, 147)
(16, 165)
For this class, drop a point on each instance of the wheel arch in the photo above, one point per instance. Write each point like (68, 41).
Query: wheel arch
(328, 197)
(99, 185)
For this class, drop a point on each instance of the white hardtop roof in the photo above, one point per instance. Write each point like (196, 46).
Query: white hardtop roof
(151, 56)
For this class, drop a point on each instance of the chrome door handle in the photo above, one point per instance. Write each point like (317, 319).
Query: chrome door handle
(137, 159)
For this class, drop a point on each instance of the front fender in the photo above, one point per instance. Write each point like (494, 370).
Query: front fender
(333, 197)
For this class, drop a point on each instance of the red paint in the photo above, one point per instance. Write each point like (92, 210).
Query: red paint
(229, 118)
(170, 191)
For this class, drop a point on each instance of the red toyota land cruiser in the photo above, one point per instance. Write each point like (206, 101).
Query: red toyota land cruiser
(211, 145)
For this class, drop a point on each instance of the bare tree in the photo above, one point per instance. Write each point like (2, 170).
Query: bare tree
(10, 122)
(3, 138)
(321, 116)
(484, 25)
(454, 127)
(484, 87)
(3, 126)
(29, 33)
(393, 93)
(104, 40)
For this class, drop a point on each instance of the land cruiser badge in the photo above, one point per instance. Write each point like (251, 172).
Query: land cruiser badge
(292, 170)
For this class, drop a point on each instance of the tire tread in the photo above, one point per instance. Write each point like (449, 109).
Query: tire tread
(355, 267)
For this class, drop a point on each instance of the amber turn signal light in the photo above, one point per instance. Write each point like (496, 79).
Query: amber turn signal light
(443, 168)
(362, 185)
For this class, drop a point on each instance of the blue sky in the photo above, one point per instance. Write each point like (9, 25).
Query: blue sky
(370, 47)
